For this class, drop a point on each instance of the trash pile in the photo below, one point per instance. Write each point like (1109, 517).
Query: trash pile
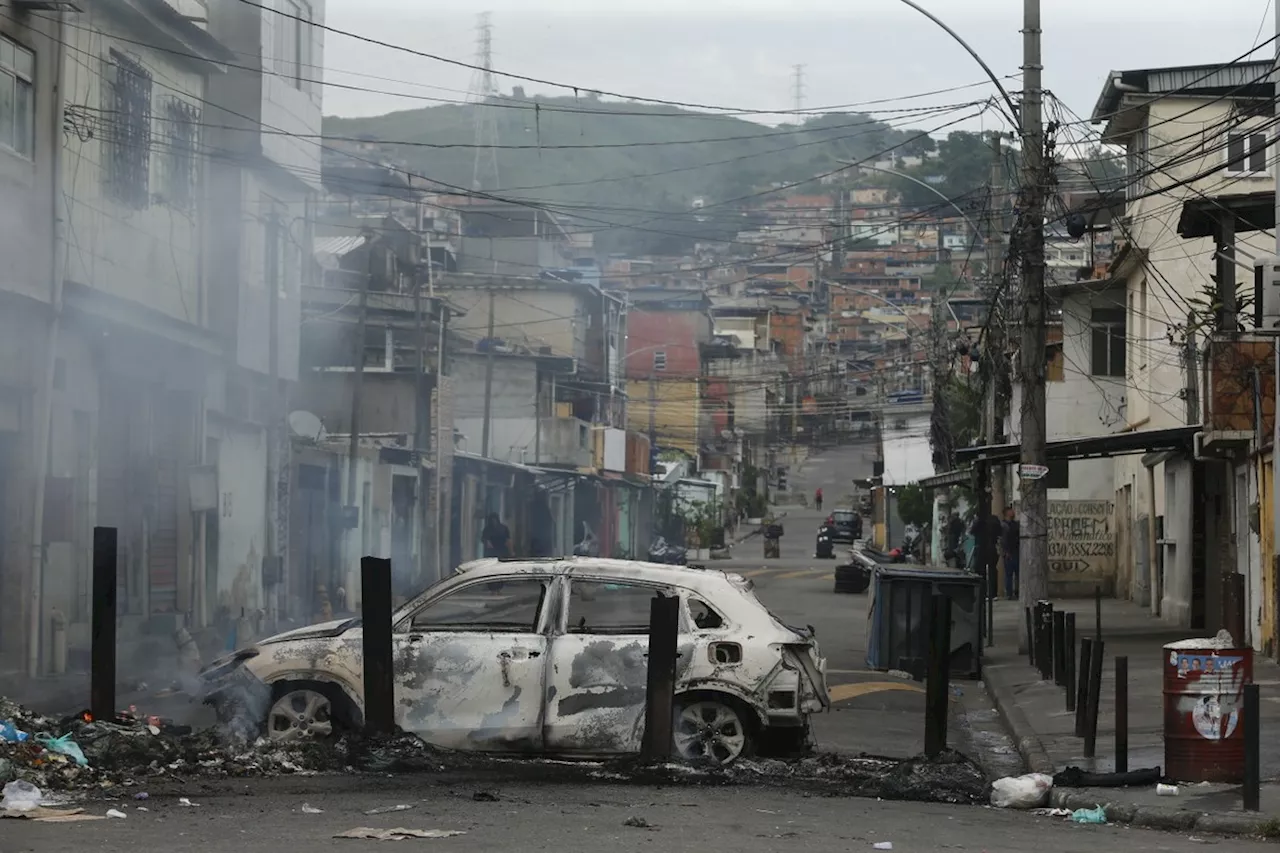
(79, 752)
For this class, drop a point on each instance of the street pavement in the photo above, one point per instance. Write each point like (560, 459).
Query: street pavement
(267, 816)
(872, 712)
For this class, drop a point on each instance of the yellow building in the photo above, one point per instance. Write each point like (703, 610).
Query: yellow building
(667, 410)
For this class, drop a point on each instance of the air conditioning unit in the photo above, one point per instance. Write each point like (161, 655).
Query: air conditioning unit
(1266, 293)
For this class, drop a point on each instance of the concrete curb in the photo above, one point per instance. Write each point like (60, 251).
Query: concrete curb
(1001, 691)
(1167, 819)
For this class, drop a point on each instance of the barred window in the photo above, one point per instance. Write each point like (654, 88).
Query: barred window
(181, 174)
(127, 160)
(17, 104)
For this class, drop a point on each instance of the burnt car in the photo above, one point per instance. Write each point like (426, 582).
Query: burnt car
(845, 525)
(545, 657)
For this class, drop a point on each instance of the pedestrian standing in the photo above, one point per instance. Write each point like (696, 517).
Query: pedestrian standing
(817, 499)
(1009, 543)
(954, 551)
(496, 537)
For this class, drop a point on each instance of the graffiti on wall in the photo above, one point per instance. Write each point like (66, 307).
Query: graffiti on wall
(1081, 540)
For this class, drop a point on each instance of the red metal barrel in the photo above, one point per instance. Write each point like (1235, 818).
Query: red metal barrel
(1203, 704)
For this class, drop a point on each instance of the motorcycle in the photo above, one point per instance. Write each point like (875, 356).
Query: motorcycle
(664, 552)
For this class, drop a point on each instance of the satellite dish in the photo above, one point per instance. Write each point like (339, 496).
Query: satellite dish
(305, 425)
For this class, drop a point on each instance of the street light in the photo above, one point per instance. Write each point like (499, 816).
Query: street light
(1012, 113)
(918, 182)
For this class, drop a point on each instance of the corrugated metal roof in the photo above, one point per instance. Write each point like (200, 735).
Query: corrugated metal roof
(330, 250)
(1193, 78)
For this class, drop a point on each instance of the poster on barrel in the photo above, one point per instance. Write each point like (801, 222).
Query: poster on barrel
(1082, 544)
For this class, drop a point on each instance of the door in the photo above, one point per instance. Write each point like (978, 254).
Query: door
(470, 666)
(595, 701)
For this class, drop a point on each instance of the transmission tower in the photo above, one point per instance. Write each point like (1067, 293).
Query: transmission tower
(797, 90)
(484, 173)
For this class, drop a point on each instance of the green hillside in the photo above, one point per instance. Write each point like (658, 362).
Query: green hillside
(615, 164)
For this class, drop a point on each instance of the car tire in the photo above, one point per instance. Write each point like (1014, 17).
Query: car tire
(852, 579)
(306, 710)
(712, 727)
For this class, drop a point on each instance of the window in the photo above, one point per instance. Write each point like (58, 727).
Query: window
(1107, 327)
(498, 605)
(181, 121)
(127, 164)
(704, 618)
(659, 360)
(1136, 164)
(599, 607)
(1246, 153)
(293, 37)
(1059, 474)
(1054, 363)
(17, 105)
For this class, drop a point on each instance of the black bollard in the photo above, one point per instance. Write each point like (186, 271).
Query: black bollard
(375, 618)
(1122, 714)
(936, 682)
(1082, 684)
(660, 684)
(1031, 636)
(1059, 648)
(102, 650)
(1044, 638)
(1252, 747)
(1096, 657)
(1069, 646)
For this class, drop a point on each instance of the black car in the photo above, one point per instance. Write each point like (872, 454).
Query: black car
(846, 525)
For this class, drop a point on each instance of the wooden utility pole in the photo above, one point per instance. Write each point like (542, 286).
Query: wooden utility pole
(1034, 547)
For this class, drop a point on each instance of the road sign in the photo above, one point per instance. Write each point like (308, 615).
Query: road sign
(1032, 472)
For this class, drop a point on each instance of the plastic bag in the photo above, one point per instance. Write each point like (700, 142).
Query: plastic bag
(11, 733)
(64, 746)
(1097, 814)
(1021, 792)
(20, 796)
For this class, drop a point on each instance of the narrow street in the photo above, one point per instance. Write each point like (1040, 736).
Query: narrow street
(269, 816)
(871, 711)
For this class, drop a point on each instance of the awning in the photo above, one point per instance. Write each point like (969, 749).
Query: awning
(1251, 212)
(1177, 439)
(958, 477)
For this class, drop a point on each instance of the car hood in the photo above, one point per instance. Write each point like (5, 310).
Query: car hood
(313, 632)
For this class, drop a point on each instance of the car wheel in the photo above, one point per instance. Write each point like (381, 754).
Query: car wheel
(711, 729)
(300, 713)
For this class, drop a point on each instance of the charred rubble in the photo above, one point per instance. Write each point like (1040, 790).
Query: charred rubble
(132, 750)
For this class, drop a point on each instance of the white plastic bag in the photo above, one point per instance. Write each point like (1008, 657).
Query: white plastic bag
(1021, 792)
(20, 796)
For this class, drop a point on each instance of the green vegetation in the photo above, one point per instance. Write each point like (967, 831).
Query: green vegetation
(565, 161)
(914, 506)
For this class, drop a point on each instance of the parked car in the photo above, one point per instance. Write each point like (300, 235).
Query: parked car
(846, 525)
(545, 657)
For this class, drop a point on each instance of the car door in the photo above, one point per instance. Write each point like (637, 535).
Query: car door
(470, 665)
(598, 667)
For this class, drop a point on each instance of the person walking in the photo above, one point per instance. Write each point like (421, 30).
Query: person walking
(817, 499)
(1009, 542)
(495, 537)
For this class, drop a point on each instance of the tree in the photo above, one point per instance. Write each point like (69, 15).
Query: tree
(914, 506)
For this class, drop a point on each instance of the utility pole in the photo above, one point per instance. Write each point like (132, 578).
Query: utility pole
(357, 384)
(1034, 547)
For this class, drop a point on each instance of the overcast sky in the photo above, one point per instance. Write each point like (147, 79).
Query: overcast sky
(740, 53)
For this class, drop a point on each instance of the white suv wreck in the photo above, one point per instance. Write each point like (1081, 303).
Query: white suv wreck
(546, 657)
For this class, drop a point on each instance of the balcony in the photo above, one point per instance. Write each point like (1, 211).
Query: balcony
(565, 441)
(1239, 400)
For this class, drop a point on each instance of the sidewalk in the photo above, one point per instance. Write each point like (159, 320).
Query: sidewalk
(1035, 713)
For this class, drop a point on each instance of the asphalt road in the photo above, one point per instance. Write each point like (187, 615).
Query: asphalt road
(871, 711)
(269, 816)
